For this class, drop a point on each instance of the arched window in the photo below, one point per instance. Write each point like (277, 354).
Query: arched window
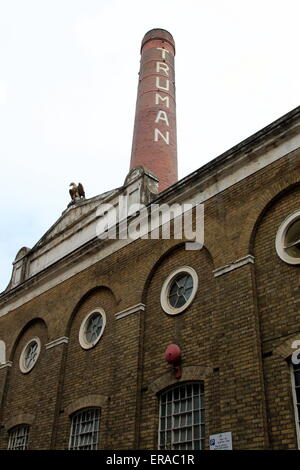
(85, 429)
(18, 437)
(181, 417)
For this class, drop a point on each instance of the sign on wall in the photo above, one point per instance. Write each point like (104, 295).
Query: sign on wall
(222, 441)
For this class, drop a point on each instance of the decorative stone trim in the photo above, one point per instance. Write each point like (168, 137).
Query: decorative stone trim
(235, 265)
(286, 349)
(128, 311)
(6, 364)
(86, 402)
(2, 352)
(21, 418)
(188, 373)
(57, 342)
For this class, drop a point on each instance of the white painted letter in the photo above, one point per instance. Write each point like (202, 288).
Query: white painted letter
(165, 137)
(158, 85)
(162, 66)
(162, 98)
(162, 116)
(163, 52)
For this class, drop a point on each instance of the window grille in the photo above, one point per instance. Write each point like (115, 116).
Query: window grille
(94, 328)
(85, 430)
(181, 290)
(18, 437)
(181, 417)
(31, 354)
(295, 369)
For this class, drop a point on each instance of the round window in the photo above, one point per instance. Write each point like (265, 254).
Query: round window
(179, 290)
(30, 355)
(92, 328)
(288, 239)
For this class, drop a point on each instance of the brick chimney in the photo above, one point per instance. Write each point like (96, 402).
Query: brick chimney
(154, 143)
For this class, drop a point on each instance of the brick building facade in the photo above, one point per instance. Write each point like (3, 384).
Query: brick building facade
(236, 329)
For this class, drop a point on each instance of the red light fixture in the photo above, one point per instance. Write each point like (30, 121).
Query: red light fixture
(173, 356)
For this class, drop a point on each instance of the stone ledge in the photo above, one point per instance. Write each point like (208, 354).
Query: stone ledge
(285, 349)
(6, 364)
(57, 342)
(234, 265)
(128, 311)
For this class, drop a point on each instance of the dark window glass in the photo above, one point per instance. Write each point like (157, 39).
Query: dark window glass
(31, 354)
(94, 327)
(180, 290)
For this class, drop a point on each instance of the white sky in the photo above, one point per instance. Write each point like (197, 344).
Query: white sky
(68, 83)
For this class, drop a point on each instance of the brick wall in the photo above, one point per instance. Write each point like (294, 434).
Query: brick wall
(229, 335)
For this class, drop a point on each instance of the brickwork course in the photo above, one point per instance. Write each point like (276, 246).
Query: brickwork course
(235, 337)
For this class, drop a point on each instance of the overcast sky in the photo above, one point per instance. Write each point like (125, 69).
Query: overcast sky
(68, 83)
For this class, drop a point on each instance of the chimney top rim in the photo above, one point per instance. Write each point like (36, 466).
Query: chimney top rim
(158, 33)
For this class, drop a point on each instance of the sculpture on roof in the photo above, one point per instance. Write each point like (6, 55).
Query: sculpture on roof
(76, 192)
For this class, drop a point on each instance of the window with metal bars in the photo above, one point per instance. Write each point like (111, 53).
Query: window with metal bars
(85, 429)
(18, 437)
(93, 328)
(295, 369)
(180, 290)
(181, 417)
(31, 354)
